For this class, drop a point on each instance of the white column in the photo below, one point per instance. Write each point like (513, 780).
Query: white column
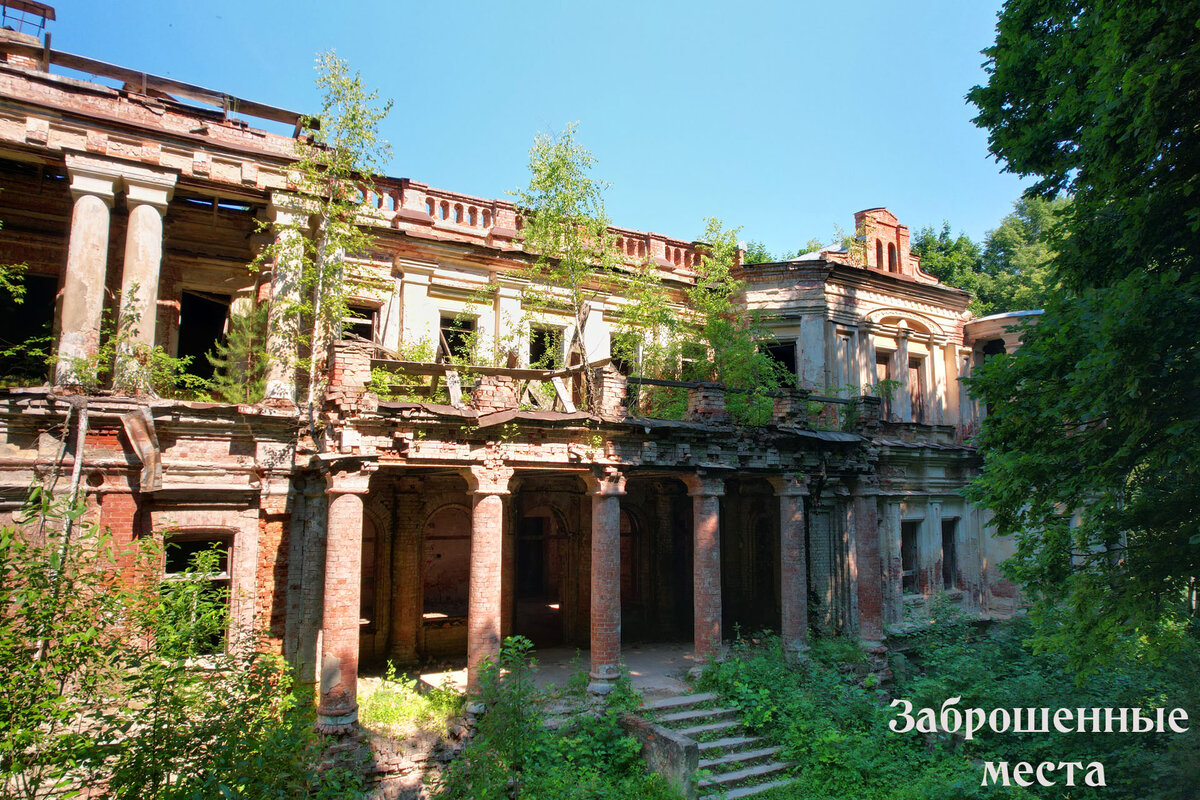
(812, 352)
(87, 263)
(938, 389)
(147, 196)
(289, 220)
(902, 400)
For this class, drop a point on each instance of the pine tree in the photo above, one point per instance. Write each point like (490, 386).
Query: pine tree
(240, 362)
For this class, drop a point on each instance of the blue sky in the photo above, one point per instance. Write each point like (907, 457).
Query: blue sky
(783, 118)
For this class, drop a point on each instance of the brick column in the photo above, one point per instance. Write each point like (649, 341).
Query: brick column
(868, 576)
(289, 219)
(606, 488)
(338, 709)
(147, 196)
(87, 264)
(793, 567)
(706, 492)
(489, 485)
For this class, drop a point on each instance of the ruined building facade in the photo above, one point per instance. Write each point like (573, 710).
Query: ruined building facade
(425, 530)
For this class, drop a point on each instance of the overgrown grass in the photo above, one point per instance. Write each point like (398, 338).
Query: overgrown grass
(398, 704)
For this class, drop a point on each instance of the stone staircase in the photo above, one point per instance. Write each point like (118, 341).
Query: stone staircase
(738, 763)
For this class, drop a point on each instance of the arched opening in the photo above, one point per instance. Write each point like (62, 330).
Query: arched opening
(892, 265)
(445, 578)
(879, 253)
(750, 585)
(541, 565)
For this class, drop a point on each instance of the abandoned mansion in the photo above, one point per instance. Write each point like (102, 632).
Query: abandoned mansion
(493, 500)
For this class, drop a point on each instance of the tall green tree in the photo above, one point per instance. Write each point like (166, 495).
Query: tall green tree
(566, 227)
(1092, 447)
(1010, 271)
(334, 162)
(240, 361)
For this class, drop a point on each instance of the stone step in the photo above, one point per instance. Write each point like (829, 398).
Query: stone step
(757, 771)
(679, 701)
(711, 727)
(699, 713)
(738, 756)
(732, 741)
(747, 791)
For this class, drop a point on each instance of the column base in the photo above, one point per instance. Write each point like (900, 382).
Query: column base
(337, 721)
(796, 653)
(604, 681)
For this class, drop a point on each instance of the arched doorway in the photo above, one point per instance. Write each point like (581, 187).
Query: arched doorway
(445, 582)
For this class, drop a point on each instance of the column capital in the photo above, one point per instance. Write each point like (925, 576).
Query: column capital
(102, 177)
(605, 481)
(92, 176)
(704, 484)
(287, 210)
(149, 188)
(488, 479)
(354, 481)
(789, 485)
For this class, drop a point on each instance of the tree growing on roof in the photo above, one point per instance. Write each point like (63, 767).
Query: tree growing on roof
(565, 226)
(334, 160)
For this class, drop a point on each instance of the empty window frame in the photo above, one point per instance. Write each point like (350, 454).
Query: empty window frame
(883, 372)
(203, 323)
(362, 321)
(545, 347)
(457, 337)
(916, 388)
(626, 350)
(949, 554)
(892, 265)
(784, 353)
(694, 362)
(26, 330)
(186, 558)
(910, 533)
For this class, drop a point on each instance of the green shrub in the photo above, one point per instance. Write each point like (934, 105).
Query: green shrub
(124, 683)
(514, 755)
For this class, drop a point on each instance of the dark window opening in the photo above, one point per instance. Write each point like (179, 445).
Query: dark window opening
(202, 319)
(545, 347)
(883, 372)
(949, 554)
(910, 530)
(694, 362)
(879, 254)
(624, 348)
(916, 389)
(994, 348)
(186, 559)
(26, 330)
(456, 338)
(361, 321)
(784, 353)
